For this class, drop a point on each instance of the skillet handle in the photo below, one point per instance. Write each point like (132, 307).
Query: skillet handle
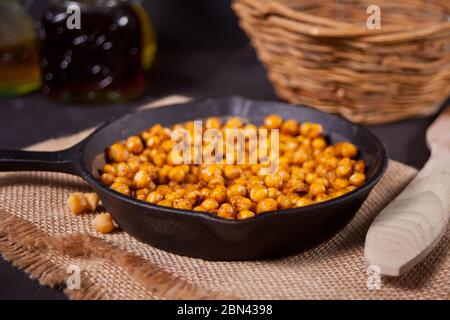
(65, 161)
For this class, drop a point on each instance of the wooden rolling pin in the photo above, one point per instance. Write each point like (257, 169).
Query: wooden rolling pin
(408, 229)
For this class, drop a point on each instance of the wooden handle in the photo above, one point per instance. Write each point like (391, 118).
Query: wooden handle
(408, 229)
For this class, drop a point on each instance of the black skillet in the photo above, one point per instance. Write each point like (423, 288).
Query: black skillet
(204, 235)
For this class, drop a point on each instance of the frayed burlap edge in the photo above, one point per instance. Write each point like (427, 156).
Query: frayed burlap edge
(28, 248)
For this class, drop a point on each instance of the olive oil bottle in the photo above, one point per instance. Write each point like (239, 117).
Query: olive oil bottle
(19, 55)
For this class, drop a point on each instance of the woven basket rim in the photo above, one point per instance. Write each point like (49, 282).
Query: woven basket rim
(327, 26)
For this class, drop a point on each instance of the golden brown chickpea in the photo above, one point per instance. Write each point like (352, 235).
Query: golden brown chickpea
(209, 172)
(103, 223)
(210, 204)
(310, 177)
(121, 188)
(194, 196)
(141, 180)
(234, 122)
(134, 144)
(316, 189)
(348, 150)
(339, 183)
(322, 181)
(359, 166)
(219, 193)
(273, 181)
(107, 168)
(321, 198)
(231, 172)
(77, 203)
(241, 203)
(236, 190)
(123, 180)
(167, 145)
(118, 153)
(245, 214)
(283, 202)
(107, 179)
(273, 121)
(142, 194)
(124, 170)
(159, 159)
(259, 193)
(165, 203)
(357, 179)
(290, 127)
(177, 174)
(154, 197)
(273, 193)
(297, 186)
(164, 189)
(182, 203)
(206, 193)
(200, 209)
(171, 196)
(267, 204)
(216, 181)
(343, 170)
(213, 123)
(303, 202)
(311, 130)
(134, 163)
(319, 143)
(226, 211)
(153, 141)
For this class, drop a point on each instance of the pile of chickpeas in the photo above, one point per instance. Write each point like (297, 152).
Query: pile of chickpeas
(310, 171)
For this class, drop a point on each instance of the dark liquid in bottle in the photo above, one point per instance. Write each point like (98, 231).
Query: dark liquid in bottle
(105, 60)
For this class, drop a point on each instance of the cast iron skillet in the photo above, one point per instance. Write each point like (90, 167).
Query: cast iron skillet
(204, 235)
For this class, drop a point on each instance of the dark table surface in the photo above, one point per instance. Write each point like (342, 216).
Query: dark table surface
(195, 73)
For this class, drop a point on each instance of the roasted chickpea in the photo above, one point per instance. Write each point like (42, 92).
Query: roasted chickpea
(210, 204)
(107, 179)
(273, 193)
(283, 202)
(319, 143)
(154, 197)
(141, 179)
(245, 214)
(206, 193)
(118, 153)
(164, 203)
(339, 183)
(226, 211)
(213, 123)
(290, 127)
(134, 144)
(124, 170)
(194, 196)
(357, 179)
(343, 170)
(267, 204)
(273, 121)
(316, 189)
(359, 166)
(123, 180)
(219, 193)
(231, 172)
(273, 181)
(349, 150)
(103, 223)
(121, 188)
(177, 174)
(142, 194)
(241, 203)
(77, 203)
(182, 203)
(237, 190)
(303, 202)
(259, 193)
(107, 168)
(234, 122)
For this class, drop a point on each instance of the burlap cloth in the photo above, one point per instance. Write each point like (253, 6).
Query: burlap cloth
(39, 235)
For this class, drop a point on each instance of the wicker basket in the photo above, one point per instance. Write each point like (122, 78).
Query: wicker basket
(321, 53)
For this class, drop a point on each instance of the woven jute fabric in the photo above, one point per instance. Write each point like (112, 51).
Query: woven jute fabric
(39, 235)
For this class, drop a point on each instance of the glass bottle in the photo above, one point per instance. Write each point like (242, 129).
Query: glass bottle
(105, 60)
(19, 55)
